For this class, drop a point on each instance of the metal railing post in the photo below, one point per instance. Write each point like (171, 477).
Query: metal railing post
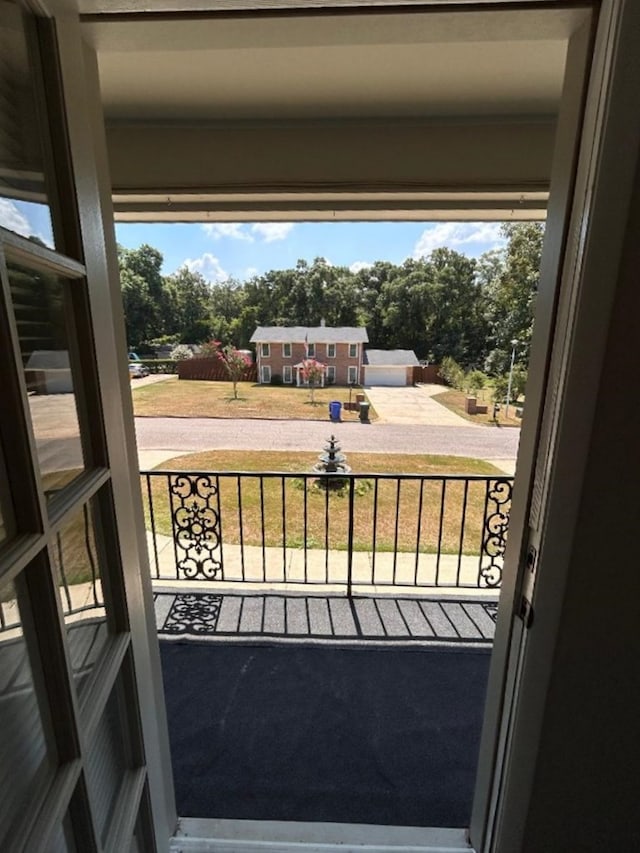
(352, 492)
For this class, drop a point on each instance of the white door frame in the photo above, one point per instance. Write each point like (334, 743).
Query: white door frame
(590, 253)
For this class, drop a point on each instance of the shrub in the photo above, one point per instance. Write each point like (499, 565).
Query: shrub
(180, 352)
(160, 365)
(500, 385)
(518, 381)
(452, 373)
(475, 381)
(276, 379)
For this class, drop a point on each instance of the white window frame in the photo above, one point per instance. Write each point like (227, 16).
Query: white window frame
(353, 350)
(311, 350)
(331, 373)
(331, 350)
(286, 350)
(352, 371)
(265, 351)
(287, 374)
(265, 371)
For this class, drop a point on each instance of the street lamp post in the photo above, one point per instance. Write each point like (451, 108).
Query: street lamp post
(514, 344)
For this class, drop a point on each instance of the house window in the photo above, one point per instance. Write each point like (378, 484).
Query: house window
(352, 377)
(265, 373)
(265, 350)
(331, 374)
(331, 350)
(286, 351)
(353, 350)
(311, 350)
(287, 374)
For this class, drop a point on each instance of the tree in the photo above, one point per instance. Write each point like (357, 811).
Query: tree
(147, 302)
(235, 362)
(139, 308)
(312, 373)
(190, 294)
(229, 318)
(510, 291)
(455, 323)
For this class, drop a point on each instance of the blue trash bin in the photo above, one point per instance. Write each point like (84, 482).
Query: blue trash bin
(334, 410)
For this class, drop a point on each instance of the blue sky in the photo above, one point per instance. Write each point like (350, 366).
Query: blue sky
(240, 250)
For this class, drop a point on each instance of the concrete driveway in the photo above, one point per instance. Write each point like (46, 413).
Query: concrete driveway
(413, 405)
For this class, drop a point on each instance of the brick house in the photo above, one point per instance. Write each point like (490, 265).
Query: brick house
(280, 351)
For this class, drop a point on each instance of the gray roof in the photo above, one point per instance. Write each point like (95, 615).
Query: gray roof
(390, 358)
(313, 335)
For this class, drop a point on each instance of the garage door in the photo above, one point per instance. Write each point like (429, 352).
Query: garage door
(385, 375)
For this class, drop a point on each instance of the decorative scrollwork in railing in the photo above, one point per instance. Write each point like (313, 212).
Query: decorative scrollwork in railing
(496, 525)
(195, 519)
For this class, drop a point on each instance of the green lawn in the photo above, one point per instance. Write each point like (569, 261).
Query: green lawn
(335, 522)
(455, 401)
(200, 399)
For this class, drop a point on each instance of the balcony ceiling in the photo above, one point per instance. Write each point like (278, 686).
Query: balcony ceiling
(343, 102)
(417, 65)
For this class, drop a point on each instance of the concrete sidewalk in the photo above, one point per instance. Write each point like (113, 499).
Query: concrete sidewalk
(294, 570)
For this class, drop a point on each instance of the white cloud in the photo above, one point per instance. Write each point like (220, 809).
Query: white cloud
(356, 266)
(483, 235)
(235, 230)
(208, 266)
(13, 219)
(271, 231)
(268, 232)
(250, 272)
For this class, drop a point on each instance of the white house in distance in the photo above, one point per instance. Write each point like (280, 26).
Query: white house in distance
(389, 366)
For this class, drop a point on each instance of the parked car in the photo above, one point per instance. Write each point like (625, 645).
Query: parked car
(137, 371)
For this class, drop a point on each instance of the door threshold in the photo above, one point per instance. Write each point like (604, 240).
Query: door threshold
(200, 835)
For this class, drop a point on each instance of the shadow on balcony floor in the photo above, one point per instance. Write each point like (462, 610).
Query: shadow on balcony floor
(375, 734)
(322, 619)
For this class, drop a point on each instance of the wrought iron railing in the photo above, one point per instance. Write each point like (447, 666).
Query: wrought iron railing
(354, 531)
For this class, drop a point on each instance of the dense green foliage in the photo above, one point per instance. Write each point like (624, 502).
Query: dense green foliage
(442, 305)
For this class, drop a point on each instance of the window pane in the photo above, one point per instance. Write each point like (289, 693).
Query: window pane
(26, 761)
(77, 561)
(23, 197)
(106, 765)
(42, 310)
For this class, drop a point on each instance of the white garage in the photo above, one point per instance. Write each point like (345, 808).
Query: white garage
(389, 367)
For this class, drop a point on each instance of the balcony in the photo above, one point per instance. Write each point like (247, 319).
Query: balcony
(325, 640)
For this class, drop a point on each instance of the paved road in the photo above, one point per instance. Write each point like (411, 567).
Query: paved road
(192, 434)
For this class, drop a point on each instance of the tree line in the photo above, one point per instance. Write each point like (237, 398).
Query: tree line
(441, 305)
